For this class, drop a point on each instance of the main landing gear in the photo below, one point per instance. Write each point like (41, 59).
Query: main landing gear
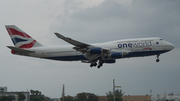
(100, 63)
(93, 64)
(157, 60)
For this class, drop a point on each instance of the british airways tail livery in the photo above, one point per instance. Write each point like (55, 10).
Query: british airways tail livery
(95, 54)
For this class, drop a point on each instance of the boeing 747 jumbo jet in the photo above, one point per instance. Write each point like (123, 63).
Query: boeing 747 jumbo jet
(95, 54)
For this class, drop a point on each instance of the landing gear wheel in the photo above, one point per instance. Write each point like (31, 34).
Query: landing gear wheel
(93, 64)
(99, 65)
(157, 60)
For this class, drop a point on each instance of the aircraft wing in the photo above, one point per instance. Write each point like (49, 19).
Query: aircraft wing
(71, 41)
(83, 47)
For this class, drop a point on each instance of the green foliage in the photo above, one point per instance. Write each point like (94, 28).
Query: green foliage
(67, 98)
(37, 96)
(7, 98)
(81, 96)
(118, 95)
(46, 99)
(3, 98)
(35, 92)
(21, 96)
(75, 98)
(87, 97)
(11, 97)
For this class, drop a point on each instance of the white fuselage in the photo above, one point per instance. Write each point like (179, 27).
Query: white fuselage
(134, 47)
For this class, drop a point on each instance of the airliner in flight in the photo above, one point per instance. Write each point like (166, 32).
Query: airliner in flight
(96, 54)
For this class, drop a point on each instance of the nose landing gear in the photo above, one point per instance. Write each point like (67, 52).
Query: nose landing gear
(157, 60)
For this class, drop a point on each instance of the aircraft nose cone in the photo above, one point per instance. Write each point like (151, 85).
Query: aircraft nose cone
(172, 46)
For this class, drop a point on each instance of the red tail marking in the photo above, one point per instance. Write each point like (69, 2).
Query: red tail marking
(13, 52)
(12, 31)
(29, 45)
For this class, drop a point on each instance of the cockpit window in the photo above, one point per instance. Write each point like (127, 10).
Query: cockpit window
(161, 39)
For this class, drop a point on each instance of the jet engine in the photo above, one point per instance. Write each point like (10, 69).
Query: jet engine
(115, 55)
(95, 50)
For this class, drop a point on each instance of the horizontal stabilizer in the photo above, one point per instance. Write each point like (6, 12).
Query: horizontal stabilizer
(19, 50)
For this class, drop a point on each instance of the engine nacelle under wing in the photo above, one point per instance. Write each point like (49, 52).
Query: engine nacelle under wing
(115, 55)
(95, 50)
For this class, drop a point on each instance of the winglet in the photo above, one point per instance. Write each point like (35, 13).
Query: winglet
(59, 35)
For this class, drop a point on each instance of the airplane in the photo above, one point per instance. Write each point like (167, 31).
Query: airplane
(96, 54)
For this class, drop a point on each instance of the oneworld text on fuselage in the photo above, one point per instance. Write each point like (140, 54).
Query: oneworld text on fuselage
(135, 44)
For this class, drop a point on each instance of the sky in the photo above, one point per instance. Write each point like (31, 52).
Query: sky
(91, 21)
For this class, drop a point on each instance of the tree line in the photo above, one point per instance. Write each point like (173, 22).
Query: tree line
(92, 97)
(21, 97)
(36, 95)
